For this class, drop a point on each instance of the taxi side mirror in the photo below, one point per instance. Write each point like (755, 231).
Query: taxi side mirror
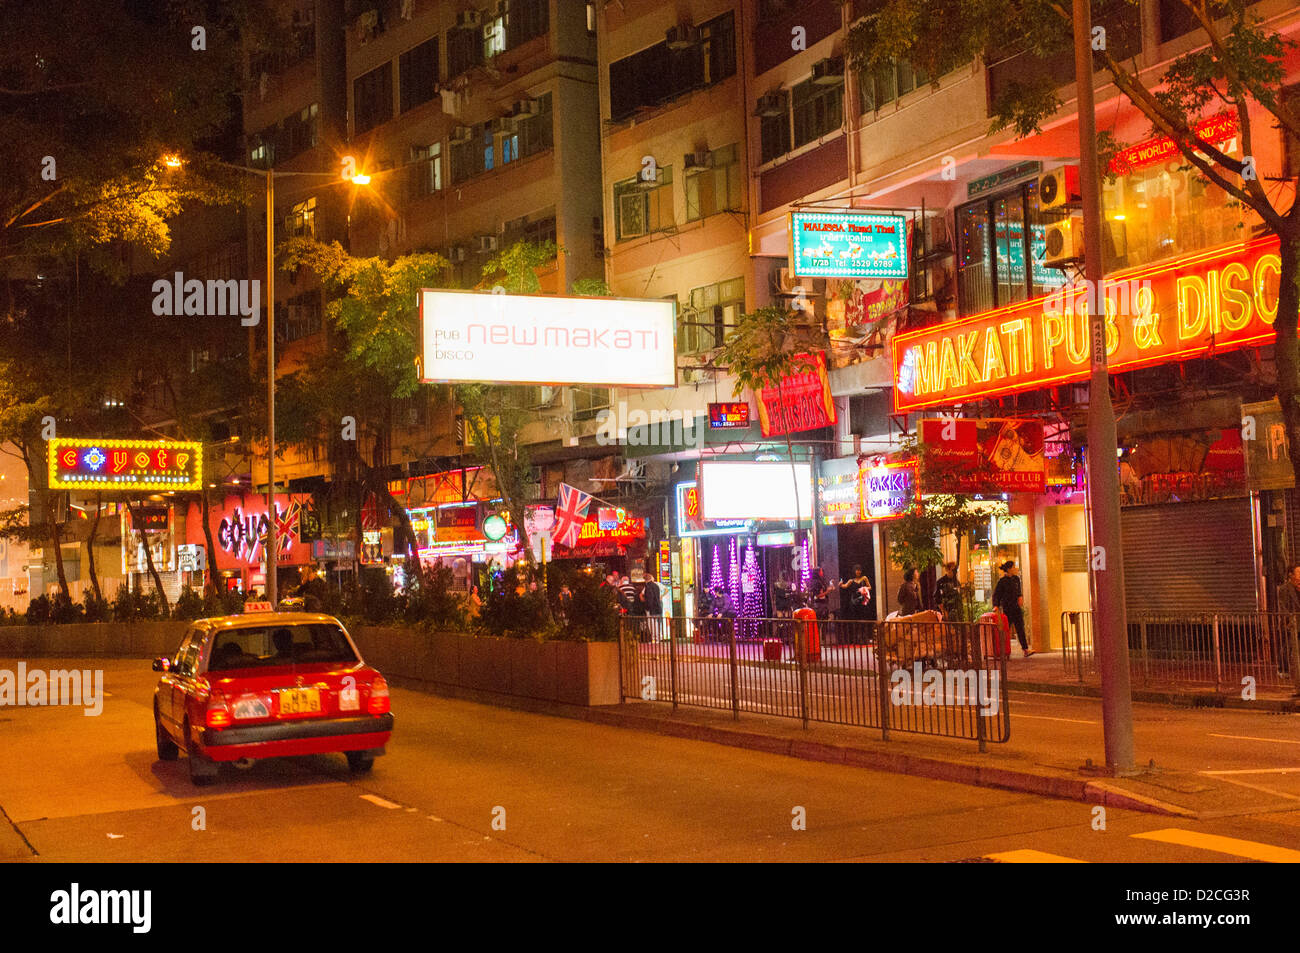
(163, 664)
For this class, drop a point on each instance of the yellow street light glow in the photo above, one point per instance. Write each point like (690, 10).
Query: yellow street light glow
(171, 160)
(361, 179)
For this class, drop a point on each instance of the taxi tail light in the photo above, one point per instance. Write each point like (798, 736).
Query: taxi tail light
(218, 713)
(378, 703)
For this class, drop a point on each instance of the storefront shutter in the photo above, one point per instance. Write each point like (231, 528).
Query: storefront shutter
(1189, 557)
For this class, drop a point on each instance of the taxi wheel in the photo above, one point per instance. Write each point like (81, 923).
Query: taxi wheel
(167, 749)
(359, 762)
(202, 771)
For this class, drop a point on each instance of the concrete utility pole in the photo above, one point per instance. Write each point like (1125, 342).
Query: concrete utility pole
(1110, 628)
(272, 540)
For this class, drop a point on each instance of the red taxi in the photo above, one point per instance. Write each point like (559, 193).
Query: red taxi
(268, 685)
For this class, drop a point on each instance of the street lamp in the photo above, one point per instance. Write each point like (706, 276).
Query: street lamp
(173, 161)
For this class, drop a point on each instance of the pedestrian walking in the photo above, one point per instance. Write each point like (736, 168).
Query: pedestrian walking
(947, 593)
(627, 596)
(819, 593)
(1009, 597)
(909, 594)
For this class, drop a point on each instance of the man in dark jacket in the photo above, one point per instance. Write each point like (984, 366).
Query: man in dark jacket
(947, 593)
(312, 589)
(1009, 597)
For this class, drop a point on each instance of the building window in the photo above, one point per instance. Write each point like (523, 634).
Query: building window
(417, 74)
(718, 49)
(525, 20)
(1175, 20)
(426, 167)
(888, 82)
(467, 157)
(588, 402)
(489, 147)
(658, 74)
(995, 238)
(372, 99)
(534, 133)
(301, 220)
(494, 36)
(303, 317)
(817, 110)
(716, 188)
(714, 312)
(464, 50)
(775, 131)
(644, 207)
(1166, 210)
(537, 231)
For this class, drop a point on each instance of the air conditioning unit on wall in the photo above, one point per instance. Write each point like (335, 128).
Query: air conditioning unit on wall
(486, 243)
(1059, 187)
(697, 162)
(1063, 242)
(770, 104)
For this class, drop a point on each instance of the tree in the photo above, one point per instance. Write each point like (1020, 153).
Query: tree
(92, 94)
(1238, 66)
(376, 315)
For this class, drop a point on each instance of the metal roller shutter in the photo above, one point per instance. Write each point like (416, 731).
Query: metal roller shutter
(1189, 557)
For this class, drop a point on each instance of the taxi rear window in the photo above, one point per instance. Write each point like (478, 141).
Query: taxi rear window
(290, 644)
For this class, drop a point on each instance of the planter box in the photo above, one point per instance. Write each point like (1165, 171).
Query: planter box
(576, 673)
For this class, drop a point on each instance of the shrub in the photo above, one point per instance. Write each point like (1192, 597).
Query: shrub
(64, 610)
(189, 605)
(38, 610)
(593, 616)
(435, 603)
(123, 604)
(95, 609)
(511, 609)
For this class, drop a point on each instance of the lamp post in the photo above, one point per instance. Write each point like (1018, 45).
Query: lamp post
(173, 161)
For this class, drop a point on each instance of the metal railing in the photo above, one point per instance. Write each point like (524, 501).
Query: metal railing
(924, 677)
(1222, 649)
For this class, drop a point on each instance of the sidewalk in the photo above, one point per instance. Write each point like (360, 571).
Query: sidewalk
(1208, 762)
(1045, 672)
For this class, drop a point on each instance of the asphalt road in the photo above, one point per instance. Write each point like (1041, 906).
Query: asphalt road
(463, 781)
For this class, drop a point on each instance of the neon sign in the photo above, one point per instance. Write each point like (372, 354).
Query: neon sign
(847, 245)
(78, 463)
(1221, 300)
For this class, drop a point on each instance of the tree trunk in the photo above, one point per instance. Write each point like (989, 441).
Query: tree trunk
(90, 548)
(1286, 347)
(148, 560)
(214, 572)
(57, 538)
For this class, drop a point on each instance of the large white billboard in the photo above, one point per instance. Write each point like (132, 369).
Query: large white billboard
(740, 489)
(547, 339)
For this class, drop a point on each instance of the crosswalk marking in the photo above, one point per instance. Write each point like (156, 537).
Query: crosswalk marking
(1224, 845)
(380, 802)
(1031, 857)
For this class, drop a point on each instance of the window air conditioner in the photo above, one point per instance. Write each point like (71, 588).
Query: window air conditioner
(828, 72)
(697, 162)
(1063, 242)
(1059, 187)
(770, 104)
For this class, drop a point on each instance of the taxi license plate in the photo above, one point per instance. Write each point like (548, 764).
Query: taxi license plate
(299, 701)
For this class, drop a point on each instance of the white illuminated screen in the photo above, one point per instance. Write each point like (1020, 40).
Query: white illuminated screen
(756, 491)
(547, 339)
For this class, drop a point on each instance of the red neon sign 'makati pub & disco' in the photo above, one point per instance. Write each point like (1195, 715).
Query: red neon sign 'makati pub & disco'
(1221, 299)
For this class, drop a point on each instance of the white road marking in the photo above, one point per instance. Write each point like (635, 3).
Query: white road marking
(1254, 771)
(1280, 741)
(379, 802)
(116, 836)
(1073, 721)
(1250, 849)
(1259, 787)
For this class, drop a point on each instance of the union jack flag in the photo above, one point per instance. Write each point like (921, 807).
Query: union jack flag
(570, 514)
